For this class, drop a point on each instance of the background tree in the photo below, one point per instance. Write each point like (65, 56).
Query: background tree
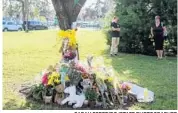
(25, 12)
(96, 10)
(37, 9)
(42, 9)
(11, 8)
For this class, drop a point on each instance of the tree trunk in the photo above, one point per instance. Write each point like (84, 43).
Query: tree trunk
(26, 17)
(23, 11)
(67, 12)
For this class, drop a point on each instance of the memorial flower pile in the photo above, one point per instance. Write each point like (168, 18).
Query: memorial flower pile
(89, 83)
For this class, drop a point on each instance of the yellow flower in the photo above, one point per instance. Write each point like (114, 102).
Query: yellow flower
(53, 78)
(50, 80)
(66, 78)
(110, 79)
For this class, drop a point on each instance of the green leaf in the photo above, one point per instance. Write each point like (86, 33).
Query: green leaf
(75, 2)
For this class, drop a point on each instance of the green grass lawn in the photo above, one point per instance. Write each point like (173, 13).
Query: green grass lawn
(26, 54)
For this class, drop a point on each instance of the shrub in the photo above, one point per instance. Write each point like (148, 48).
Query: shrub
(136, 18)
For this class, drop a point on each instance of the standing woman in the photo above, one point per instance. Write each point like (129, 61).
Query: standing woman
(115, 36)
(157, 32)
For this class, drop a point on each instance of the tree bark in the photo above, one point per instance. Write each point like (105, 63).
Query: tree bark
(26, 19)
(23, 11)
(67, 12)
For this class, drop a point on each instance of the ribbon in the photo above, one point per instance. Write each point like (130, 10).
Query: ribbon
(70, 34)
(75, 2)
(63, 72)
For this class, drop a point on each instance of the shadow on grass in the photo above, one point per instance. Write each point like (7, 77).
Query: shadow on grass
(28, 105)
(34, 105)
(159, 76)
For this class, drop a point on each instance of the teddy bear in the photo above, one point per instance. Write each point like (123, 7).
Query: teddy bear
(77, 100)
(59, 93)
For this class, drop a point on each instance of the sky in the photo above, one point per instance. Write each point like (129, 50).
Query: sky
(89, 2)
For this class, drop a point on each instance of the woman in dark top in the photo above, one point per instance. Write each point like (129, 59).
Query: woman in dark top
(157, 32)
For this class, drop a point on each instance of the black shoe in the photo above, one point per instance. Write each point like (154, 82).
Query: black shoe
(111, 55)
(116, 54)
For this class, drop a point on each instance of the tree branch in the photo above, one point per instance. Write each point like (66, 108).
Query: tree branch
(150, 9)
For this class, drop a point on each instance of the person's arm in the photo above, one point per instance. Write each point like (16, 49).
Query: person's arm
(119, 29)
(115, 29)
